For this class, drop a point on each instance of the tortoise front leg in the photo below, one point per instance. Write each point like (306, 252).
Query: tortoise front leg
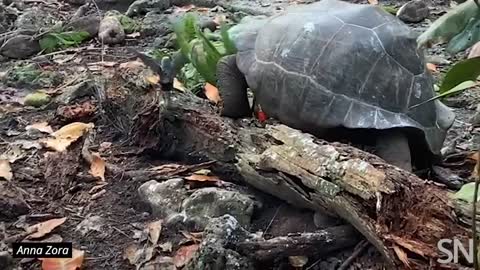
(392, 145)
(232, 88)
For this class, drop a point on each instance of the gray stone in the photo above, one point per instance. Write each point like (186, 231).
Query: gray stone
(213, 202)
(35, 19)
(164, 198)
(89, 24)
(140, 7)
(155, 24)
(20, 47)
(76, 91)
(111, 31)
(214, 253)
(414, 11)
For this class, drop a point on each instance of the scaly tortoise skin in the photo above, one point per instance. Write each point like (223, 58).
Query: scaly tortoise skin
(334, 64)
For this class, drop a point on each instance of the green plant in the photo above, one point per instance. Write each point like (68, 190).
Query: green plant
(53, 41)
(202, 49)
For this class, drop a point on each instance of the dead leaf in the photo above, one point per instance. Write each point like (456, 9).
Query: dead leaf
(133, 254)
(178, 85)
(5, 170)
(76, 111)
(202, 178)
(45, 227)
(184, 8)
(97, 167)
(373, 2)
(402, 256)
(195, 237)
(167, 168)
(67, 135)
(298, 261)
(474, 51)
(432, 67)
(153, 79)
(203, 172)
(184, 254)
(42, 127)
(104, 146)
(154, 230)
(132, 65)
(133, 35)
(65, 263)
(212, 93)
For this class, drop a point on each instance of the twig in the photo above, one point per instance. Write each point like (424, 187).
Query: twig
(358, 249)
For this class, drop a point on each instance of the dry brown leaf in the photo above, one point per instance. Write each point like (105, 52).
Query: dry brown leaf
(178, 85)
(202, 178)
(184, 254)
(373, 2)
(133, 253)
(402, 256)
(5, 170)
(475, 157)
(42, 127)
(432, 67)
(167, 168)
(66, 135)
(212, 93)
(185, 8)
(474, 51)
(133, 35)
(196, 237)
(45, 227)
(137, 64)
(153, 79)
(97, 167)
(154, 230)
(65, 263)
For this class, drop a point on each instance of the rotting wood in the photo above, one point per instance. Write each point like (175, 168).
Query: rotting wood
(302, 244)
(392, 208)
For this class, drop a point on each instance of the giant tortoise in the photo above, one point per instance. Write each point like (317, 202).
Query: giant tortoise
(333, 64)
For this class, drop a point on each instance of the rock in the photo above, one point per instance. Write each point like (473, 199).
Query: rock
(35, 19)
(140, 7)
(89, 24)
(219, 234)
(155, 24)
(20, 47)
(414, 11)
(6, 261)
(76, 91)
(164, 198)
(11, 202)
(207, 203)
(111, 31)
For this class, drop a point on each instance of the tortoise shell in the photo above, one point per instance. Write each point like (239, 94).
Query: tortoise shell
(336, 64)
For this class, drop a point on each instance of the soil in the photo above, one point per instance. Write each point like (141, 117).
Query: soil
(57, 185)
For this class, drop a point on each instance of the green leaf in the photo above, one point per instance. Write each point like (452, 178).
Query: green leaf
(53, 41)
(449, 25)
(459, 88)
(227, 42)
(185, 31)
(466, 70)
(467, 38)
(202, 62)
(466, 193)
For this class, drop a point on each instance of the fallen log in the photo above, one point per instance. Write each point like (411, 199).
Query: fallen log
(403, 216)
(302, 244)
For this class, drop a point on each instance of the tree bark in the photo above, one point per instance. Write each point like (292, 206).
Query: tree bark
(402, 215)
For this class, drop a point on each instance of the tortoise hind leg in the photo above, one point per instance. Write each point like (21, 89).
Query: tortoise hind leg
(232, 88)
(392, 145)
